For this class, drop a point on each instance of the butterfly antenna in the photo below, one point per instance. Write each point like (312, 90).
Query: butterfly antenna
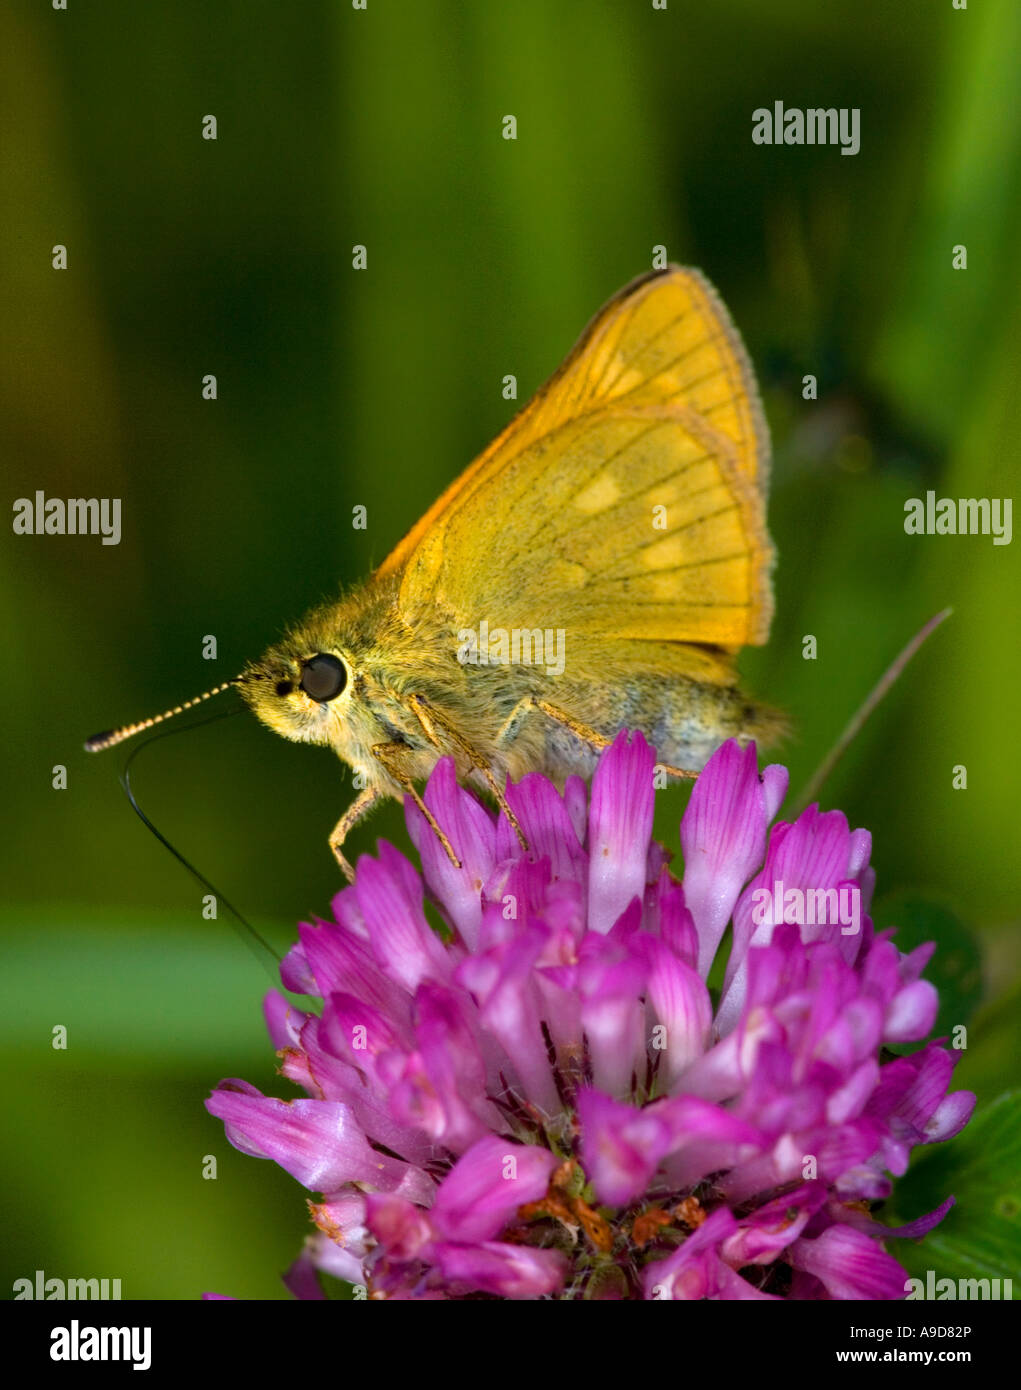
(879, 690)
(114, 736)
(258, 944)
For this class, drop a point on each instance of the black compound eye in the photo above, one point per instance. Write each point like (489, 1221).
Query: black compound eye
(323, 677)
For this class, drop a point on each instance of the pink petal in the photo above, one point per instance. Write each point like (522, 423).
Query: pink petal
(509, 1271)
(316, 1141)
(483, 1191)
(850, 1265)
(620, 827)
(723, 837)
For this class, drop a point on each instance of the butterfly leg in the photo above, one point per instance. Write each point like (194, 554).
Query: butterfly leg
(687, 773)
(354, 813)
(389, 756)
(429, 717)
(580, 730)
(576, 727)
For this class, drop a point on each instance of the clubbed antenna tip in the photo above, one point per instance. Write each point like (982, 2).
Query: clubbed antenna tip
(110, 737)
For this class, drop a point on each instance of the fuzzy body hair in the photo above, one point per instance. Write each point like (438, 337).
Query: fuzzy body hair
(390, 657)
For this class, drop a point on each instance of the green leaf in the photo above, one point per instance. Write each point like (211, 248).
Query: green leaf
(980, 1238)
(989, 1066)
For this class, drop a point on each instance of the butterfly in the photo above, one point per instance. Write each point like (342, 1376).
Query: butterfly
(595, 569)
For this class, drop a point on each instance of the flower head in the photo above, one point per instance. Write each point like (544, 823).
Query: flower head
(547, 1100)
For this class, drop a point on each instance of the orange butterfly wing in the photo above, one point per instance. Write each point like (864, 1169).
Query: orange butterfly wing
(627, 498)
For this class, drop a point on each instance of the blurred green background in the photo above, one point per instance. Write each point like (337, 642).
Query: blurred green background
(337, 387)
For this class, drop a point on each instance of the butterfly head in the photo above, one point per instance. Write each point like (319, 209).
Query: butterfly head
(299, 691)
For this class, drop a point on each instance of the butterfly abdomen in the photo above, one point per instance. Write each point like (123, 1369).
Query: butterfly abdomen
(691, 723)
(684, 720)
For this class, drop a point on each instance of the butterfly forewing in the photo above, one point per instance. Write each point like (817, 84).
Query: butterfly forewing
(627, 498)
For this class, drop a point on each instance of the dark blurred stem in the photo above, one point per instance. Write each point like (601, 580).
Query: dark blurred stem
(814, 784)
